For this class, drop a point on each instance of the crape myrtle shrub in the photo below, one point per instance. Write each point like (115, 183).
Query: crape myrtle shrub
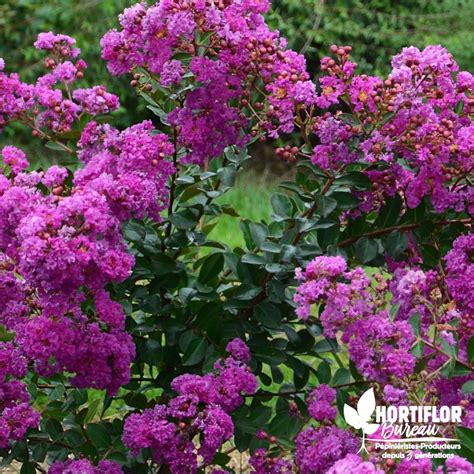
(376, 29)
(133, 342)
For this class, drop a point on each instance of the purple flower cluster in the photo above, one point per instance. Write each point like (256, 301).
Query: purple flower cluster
(320, 403)
(128, 168)
(59, 45)
(378, 346)
(262, 463)
(84, 466)
(16, 415)
(66, 244)
(231, 49)
(200, 411)
(372, 316)
(14, 158)
(50, 104)
(355, 465)
(318, 449)
(460, 279)
(413, 128)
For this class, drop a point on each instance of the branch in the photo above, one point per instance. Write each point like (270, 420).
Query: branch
(172, 190)
(387, 230)
(441, 351)
(264, 393)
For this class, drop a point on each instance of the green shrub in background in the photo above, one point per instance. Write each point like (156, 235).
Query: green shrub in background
(376, 29)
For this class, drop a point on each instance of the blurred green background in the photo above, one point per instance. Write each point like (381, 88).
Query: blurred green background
(377, 29)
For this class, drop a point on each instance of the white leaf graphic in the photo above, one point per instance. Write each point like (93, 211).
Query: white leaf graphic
(351, 416)
(370, 428)
(366, 406)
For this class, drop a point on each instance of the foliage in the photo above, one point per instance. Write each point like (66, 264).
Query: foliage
(376, 29)
(149, 345)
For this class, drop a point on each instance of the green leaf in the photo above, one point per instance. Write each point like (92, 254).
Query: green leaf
(341, 377)
(466, 437)
(269, 355)
(394, 310)
(99, 436)
(91, 411)
(460, 107)
(389, 213)
(418, 349)
(185, 219)
(281, 205)
(355, 179)
(259, 233)
(323, 346)
(468, 387)
(54, 146)
(253, 259)
(470, 350)
(325, 205)
(195, 352)
(415, 322)
(227, 175)
(366, 250)
(211, 267)
(345, 200)
(324, 372)
(28, 468)
(268, 315)
(396, 243)
(460, 370)
(54, 429)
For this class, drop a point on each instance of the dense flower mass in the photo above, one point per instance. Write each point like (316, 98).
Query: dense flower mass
(360, 309)
(16, 415)
(66, 241)
(66, 244)
(378, 346)
(413, 129)
(318, 449)
(320, 403)
(354, 464)
(50, 105)
(262, 463)
(199, 411)
(60, 238)
(231, 49)
(460, 265)
(84, 466)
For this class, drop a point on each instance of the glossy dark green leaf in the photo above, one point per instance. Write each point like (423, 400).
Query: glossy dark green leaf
(324, 372)
(396, 243)
(195, 352)
(281, 205)
(211, 267)
(366, 250)
(99, 435)
(325, 205)
(389, 214)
